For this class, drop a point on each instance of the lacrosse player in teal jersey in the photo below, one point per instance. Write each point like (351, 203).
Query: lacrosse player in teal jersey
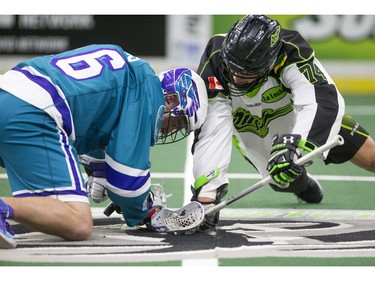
(97, 106)
(272, 98)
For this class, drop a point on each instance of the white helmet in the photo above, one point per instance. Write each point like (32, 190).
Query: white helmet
(186, 103)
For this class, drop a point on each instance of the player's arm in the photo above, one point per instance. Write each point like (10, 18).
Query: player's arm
(319, 107)
(128, 156)
(317, 101)
(212, 150)
(94, 165)
(210, 65)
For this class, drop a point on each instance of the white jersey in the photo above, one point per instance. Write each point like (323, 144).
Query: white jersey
(289, 102)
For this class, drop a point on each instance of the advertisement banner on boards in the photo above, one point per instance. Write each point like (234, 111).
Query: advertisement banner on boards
(140, 35)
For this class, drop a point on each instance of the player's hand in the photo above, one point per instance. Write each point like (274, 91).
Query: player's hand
(96, 189)
(96, 183)
(210, 220)
(281, 162)
(157, 200)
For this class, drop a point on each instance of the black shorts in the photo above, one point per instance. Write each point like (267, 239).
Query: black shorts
(354, 136)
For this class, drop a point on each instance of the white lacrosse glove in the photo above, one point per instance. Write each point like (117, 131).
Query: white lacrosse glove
(157, 200)
(96, 180)
(96, 188)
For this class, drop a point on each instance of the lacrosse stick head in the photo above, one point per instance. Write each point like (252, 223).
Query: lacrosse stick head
(179, 221)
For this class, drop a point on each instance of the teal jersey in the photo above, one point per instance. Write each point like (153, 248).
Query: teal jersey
(109, 103)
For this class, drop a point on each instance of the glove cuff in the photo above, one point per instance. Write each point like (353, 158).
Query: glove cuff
(98, 170)
(157, 196)
(307, 145)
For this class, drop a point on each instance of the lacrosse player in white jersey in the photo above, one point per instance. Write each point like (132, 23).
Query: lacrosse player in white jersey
(271, 97)
(98, 106)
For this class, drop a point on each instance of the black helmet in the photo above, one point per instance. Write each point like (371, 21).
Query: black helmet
(251, 47)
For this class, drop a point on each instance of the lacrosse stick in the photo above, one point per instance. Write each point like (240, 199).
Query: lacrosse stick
(192, 215)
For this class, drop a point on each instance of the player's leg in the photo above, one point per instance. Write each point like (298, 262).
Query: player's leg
(365, 156)
(69, 220)
(44, 173)
(306, 188)
(359, 147)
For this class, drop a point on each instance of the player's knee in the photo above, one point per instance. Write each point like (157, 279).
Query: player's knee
(84, 232)
(80, 222)
(81, 230)
(370, 166)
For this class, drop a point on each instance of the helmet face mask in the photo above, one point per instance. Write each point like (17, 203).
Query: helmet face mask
(249, 51)
(174, 128)
(250, 81)
(186, 104)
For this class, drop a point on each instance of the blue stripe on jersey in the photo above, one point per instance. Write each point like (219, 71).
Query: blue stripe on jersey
(123, 181)
(72, 163)
(76, 188)
(54, 192)
(57, 99)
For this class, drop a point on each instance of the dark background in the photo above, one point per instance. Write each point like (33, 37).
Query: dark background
(141, 35)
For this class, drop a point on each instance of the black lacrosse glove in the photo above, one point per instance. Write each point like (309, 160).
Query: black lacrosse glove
(146, 223)
(111, 208)
(211, 220)
(283, 154)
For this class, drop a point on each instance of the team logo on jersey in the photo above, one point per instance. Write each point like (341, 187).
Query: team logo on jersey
(273, 94)
(245, 122)
(214, 84)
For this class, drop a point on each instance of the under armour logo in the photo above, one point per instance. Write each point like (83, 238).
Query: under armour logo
(288, 139)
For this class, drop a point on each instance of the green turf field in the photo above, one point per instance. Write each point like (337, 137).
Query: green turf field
(346, 187)
(339, 194)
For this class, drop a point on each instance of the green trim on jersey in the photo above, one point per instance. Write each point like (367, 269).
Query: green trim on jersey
(299, 51)
(236, 144)
(244, 121)
(254, 92)
(212, 54)
(208, 61)
(203, 180)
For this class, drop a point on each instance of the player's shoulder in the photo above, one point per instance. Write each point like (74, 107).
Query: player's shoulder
(296, 47)
(216, 41)
(96, 47)
(212, 51)
(92, 49)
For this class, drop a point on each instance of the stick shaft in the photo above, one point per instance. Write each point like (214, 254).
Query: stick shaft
(338, 140)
